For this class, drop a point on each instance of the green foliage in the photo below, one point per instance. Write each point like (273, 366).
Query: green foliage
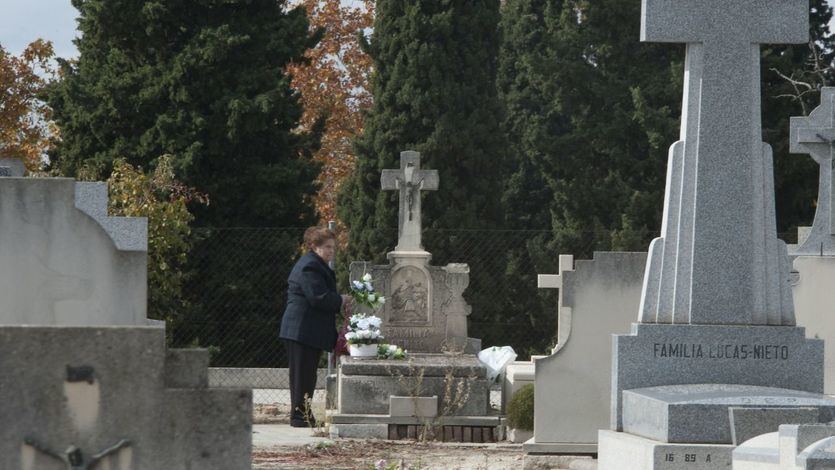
(434, 92)
(591, 113)
(203, 82)
(163, 200)
(795, 176)
(520, 409)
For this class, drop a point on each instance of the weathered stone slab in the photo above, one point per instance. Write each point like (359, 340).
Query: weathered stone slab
(427, 365)
(426, 407)
(769, 356)
(623, 451)
(598, 298)
(700, 413)
(95, 386)
(365, 394)
(813, 301)
(62, 266)
(187, 368)
(747, 423)
(359, 431)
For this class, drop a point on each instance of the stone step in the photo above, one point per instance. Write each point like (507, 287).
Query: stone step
(700, 413)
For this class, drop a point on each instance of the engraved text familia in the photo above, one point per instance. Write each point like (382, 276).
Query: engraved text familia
(721, 351)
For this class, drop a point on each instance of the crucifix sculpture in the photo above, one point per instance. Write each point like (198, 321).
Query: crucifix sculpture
(73, 458)
(410, 180)
(718, 260)
(814, 135)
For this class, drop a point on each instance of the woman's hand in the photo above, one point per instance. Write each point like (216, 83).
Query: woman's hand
(347, 300)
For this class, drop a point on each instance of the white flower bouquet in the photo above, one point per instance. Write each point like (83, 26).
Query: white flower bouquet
(363, 329)
(363, 293)
(390, 351)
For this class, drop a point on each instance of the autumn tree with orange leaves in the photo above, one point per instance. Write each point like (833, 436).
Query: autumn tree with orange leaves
(25, 126)
(334, 87)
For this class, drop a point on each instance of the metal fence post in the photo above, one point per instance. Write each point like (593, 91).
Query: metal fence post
(332, 227)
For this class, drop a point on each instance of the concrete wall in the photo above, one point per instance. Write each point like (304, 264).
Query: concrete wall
(598, 298)
(61, 266)
(813, 288)
(125, 385)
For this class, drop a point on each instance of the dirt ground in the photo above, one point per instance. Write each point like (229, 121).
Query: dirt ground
(372, 454)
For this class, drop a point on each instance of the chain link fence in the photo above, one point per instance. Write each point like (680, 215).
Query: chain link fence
(236, 292)
(237, 286)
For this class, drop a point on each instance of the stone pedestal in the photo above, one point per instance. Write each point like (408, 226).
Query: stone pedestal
(92, 387)
(456, 384)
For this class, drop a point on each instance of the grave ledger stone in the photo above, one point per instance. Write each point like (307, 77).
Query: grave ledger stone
(716, 324)
(87, 379)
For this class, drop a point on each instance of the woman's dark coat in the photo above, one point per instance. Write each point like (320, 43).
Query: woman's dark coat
(312, 304)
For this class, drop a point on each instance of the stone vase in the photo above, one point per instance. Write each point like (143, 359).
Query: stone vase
(361, 351)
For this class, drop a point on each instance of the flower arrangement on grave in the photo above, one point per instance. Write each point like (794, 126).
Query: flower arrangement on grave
(363, 293)
(390, 351)
(363, 329)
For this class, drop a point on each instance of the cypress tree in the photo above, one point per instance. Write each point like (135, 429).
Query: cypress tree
(202, 81)
(434, 92)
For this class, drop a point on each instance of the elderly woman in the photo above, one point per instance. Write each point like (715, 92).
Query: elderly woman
(309, 323)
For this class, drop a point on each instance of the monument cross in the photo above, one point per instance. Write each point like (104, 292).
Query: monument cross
(410, 180)
(718, 260)
(814, 135)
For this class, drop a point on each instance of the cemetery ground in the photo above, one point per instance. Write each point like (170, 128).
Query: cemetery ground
(276, 445)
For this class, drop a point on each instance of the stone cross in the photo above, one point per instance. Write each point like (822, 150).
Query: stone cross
(718, 260)
(410, 180)
(554, 281)
(814, 135)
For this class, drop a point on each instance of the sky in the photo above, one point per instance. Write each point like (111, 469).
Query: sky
(22, 21)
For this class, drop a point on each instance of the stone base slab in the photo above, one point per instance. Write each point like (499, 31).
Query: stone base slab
(622, 451)
(770, 356)
(370, 394)
(699, 413)
(359, 431)
(339, 418)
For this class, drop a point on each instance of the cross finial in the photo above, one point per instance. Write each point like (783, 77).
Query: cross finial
(718, 260)
(409, 180)
(814, 135)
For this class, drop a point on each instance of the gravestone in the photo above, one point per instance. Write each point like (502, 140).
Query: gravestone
(716, 310)
(425, 309)
(597, 298)
(426, 314)
(814, 135)
(88, 380)
(814, 255)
